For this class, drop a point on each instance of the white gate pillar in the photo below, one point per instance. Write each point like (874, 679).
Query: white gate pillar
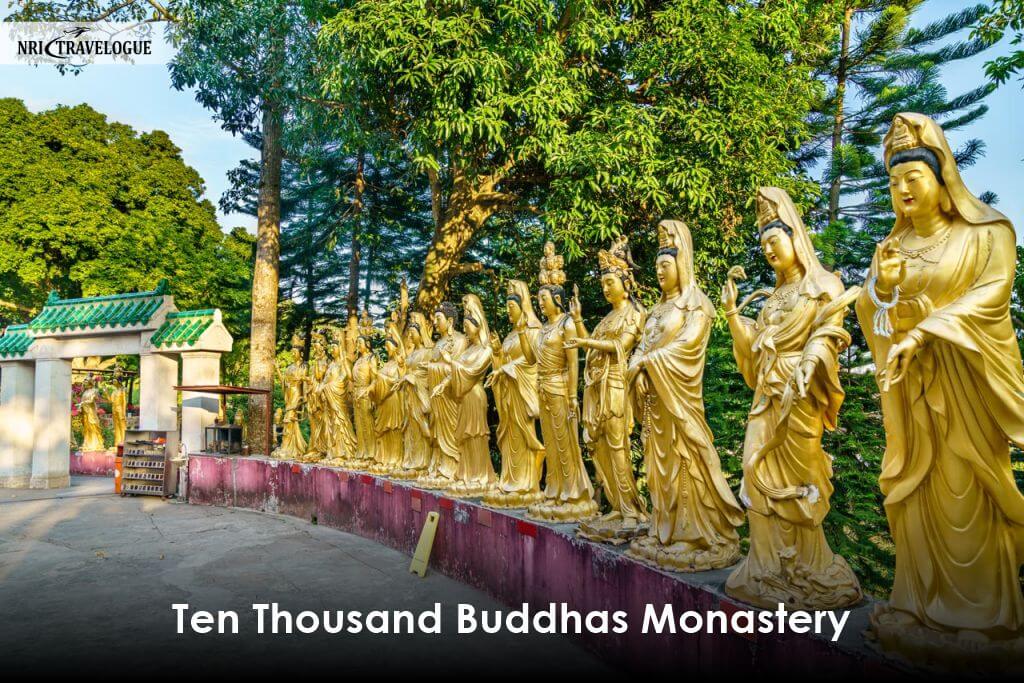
(198, 410)
(51, 428)
(17, 388)
(158, 374)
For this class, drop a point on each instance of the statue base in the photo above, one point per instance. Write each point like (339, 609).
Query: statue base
(312, 457)
(613, 528)
(406, 474)
(901, 637)
(498, 498)
(563, 511)
(465, 489)
(433, 481)
(796, 585)
(682, 556)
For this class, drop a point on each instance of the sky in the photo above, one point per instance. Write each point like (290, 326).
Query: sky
(142, 97)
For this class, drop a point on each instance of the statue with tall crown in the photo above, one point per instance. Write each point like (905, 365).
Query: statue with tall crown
(694, 514)
(607, 414)
(568, 493)
(88, 408)
(341, 437)
(513, 382)
(444, 410)
(316, 408)
(474, 474)
(389, 422)
(293, 384)
(118, 397)
(416, 435)
(789, 356)
(364, 370)
(935, 313)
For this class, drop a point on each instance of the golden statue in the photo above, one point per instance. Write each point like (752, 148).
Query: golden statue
(551, 265)
(316, 405)
(364, 371)
(514, 384)
(341, 437)
(416, 437)
(568, 493)
(444, 411)
(607, 414)
(694, 513)
(936, 317)
(118, 397)
(293, 384)
(474, 475)
(389, 424)
(789, 357)
(92, 430)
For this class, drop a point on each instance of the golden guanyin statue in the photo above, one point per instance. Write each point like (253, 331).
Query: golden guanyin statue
(293, 383)
(118, 397)
(935, 312)
(88, 407)
(694, 514)
(389, 423)
(607, 414)
(444, 410)
(513, 382)
(789, 357)
(474, 475)
(341, 436)
(364, 372)
(316, 405)
(568, 493)
(416, 435)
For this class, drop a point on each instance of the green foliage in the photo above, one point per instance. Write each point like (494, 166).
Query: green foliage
(888, 67)
(90, 207)
(1002, 17)
(600, 117)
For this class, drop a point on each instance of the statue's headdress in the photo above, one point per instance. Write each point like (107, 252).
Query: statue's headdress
(903, 145)
(768, 216)
(366, 325)
(617, 260)
(551, 265)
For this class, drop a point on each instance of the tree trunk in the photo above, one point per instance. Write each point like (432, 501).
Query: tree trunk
(352, 300)
(469, 206)
(837, 124)
(266, 270)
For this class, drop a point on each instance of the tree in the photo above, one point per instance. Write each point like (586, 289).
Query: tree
(90, 207)
(598, 116)
(880, 66)
(1002, 17)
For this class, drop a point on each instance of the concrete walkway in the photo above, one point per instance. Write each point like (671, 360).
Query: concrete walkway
(87, 580)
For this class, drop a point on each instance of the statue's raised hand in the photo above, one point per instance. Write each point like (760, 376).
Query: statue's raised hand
(890, 266)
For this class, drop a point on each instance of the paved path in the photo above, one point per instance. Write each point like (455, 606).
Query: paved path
(87, 580)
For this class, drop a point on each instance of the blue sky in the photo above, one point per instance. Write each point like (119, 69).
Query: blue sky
(142, 96)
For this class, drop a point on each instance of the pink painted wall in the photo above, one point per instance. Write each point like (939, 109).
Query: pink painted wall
(518, 561)
(96, 463)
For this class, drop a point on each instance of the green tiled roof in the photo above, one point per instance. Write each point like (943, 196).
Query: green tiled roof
(117, 310)
(183, 328)
(15, 342)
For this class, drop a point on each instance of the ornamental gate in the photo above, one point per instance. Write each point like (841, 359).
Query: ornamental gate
(35, 374)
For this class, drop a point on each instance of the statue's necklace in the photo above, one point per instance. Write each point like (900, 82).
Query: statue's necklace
(921, 251)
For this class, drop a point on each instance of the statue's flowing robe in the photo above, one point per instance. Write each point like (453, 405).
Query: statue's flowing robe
(466, 388)
(514, 384)
(956, 514)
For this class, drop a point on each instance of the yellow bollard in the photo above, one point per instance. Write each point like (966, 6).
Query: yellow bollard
(422, 555)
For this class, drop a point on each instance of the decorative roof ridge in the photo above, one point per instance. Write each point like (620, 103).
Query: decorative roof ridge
(162, 288)
(202, 312)
(16, 328)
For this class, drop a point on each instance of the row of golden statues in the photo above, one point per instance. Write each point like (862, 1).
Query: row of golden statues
(935, 312)
(93, 391)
